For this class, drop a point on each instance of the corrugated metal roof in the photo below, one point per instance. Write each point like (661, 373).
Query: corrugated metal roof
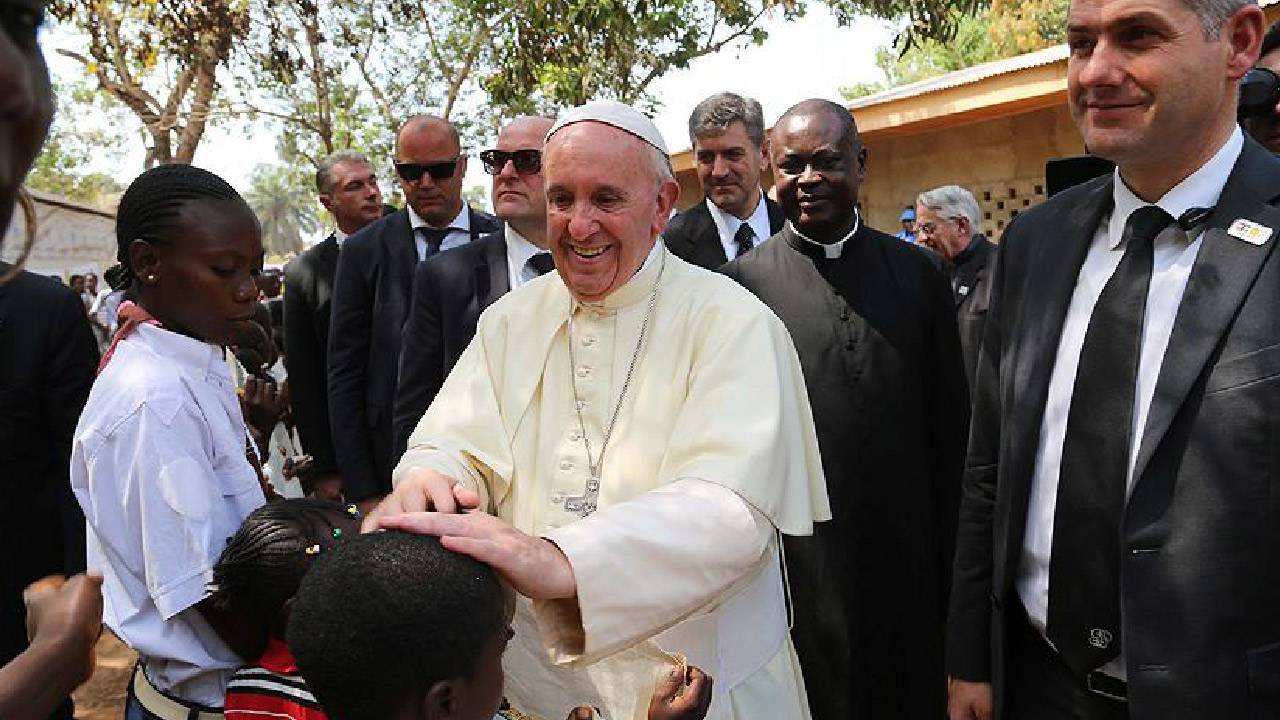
(974, 74)
(968, 76)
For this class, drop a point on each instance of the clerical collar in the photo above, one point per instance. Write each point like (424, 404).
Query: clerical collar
(635, 290)
(830, 251)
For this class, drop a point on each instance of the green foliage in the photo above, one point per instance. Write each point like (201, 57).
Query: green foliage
(1007, 29)
(74, 146)
(477, 196)
(288, 212)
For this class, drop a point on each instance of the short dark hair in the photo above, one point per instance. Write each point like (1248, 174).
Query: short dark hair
(1271, 40)
(76, 277)
(264, 562)
(848, 128)
(151, 209)
(381, 619)
(714, 115)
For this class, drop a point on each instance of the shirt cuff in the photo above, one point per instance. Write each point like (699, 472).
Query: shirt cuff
(179, 596)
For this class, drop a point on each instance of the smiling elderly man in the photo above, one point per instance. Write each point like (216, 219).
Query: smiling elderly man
(634, 471)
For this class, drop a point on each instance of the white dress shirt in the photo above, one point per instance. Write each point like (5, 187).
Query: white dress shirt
(158, 465)
(459, 231)
(340, 236)
(727, 225)
(1174, 254)
(519, 251)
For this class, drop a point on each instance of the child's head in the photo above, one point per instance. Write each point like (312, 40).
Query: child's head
(189, 249)
(263, 563)
(391, 625)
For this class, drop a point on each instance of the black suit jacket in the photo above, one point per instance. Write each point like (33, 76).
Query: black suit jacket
(308, 292)
(692, 235)
(449, 292)
(48, 359)
(971, 286)
(1199, 575)
(371, 295)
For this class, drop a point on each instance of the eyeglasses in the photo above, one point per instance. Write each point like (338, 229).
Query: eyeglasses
(413, 172)
(527, 162)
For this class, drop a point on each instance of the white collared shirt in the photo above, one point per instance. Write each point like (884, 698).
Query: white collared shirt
(519, 251)
(835, 249)
(727, 225)
(158, 465)
(339, 236)
(459, 231)
(1174, 254)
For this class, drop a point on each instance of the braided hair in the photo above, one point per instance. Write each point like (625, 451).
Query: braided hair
(151, 209)
(263, 563)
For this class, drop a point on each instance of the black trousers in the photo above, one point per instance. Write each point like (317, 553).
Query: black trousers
(1040, 686)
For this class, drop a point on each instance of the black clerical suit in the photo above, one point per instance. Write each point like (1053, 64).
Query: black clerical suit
(876, 334)
(308, 292)
(48, 359)
(371, 297)
(449, 292)
(971, 285)
(1199, 580)
(693, 237)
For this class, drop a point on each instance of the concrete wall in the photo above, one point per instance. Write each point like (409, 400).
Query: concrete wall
(1000, 160)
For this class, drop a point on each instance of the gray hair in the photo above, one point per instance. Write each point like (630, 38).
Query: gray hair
(659, 164)
(1214, 14)
(324, 171)
(714, 115)
(951, 202)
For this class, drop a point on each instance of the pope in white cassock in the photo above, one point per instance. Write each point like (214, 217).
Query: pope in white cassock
(637, 433)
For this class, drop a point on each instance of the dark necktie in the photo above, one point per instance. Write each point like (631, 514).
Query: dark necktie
(433, 237)
(542, 263)
(1084, 568)
(744, 239)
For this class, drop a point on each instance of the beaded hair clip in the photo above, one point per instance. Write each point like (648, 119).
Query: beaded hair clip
(353, 511)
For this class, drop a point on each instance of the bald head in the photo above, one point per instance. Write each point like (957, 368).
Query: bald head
(429, 125)
(519, 196)
(430, 166)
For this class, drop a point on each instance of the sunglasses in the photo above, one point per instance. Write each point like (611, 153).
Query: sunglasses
(413, 172)
(527, 162)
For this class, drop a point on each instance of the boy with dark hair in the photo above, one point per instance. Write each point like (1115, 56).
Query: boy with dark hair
(392, 626)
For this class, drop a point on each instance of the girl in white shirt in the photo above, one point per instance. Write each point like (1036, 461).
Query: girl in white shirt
(162, 464)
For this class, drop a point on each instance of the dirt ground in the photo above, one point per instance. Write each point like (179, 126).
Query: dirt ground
(102, 698)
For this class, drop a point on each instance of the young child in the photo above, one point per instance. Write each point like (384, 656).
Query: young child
(161, 462)
(257, 577)
(391, 626)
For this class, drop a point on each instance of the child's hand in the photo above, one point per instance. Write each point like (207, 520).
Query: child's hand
(680, 696)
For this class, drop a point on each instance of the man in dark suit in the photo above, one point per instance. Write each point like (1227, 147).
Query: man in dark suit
(1117, 544)
(873, 322)
(946, 222)
(348, 188)
(730, 149)
(48, 358)
(372, 292)
(453, 288)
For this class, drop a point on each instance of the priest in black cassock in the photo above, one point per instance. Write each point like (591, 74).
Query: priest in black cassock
(874, 323)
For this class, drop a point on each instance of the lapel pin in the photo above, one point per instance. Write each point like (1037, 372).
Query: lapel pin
(1249, 231)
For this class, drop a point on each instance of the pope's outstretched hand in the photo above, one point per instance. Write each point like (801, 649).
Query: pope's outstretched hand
(420, 491)
(533, 566)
